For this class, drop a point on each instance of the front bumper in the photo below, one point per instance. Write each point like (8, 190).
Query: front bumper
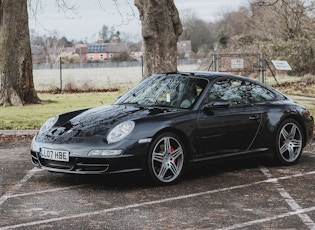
(132, 159)
(81, 165)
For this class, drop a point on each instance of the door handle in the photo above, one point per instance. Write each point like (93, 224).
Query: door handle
(254, 117)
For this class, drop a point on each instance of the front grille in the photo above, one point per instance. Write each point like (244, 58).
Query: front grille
(34, 158)
(58, 164)
(87, 164)
(75, 164)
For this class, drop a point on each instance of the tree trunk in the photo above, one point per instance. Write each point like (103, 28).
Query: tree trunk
(161, 27)
(16, 71)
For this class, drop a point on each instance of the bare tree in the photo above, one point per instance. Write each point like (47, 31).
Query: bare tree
(53, 47)
(161, 28)
(287, 29)
(16, 70)
(197, 31)
(104, 34)
(285, 18)
(16, 76)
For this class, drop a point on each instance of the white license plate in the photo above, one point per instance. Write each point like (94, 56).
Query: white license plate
(53, 154)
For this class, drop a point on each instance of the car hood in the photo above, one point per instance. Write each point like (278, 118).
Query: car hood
(98, 121)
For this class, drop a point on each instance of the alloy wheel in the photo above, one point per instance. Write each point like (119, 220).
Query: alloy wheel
(167, 159)
(290, 142)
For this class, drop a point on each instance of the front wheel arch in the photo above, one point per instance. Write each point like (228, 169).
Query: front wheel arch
(183, 137)
(166, 159)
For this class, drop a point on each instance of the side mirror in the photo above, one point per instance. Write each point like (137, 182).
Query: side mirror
(215, 105)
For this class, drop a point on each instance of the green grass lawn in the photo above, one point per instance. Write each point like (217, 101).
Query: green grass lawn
(32, 116)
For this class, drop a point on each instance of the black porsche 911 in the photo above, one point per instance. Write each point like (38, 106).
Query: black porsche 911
(171, 121)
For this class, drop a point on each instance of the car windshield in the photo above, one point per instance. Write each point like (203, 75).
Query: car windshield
(172, 90)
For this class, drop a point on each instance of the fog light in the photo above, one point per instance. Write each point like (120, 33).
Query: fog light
(104, 153)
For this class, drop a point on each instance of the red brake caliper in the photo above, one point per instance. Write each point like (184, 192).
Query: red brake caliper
(172, 150)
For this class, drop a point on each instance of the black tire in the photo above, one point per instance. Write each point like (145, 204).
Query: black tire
(166, 159)
(289, 142)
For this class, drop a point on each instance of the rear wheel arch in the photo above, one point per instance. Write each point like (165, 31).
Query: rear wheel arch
(299, 121)
(289, 141)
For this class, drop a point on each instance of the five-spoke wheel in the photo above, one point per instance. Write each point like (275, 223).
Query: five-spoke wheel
(166, 159)
(289, 142)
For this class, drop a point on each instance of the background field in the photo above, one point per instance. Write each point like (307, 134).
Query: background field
(92, 78)
(32, 116)
(120, 79)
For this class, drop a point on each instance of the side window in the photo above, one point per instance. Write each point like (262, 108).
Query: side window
(239, 92)
(261, 94)
(235, 91)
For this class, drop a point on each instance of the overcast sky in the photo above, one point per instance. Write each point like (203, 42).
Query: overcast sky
(89, 17)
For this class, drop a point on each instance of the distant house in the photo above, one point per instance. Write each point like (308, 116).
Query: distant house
(81, 49)
(184, 48)
(105, 51)
(69, 50)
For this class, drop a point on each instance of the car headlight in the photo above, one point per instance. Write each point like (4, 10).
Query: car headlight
(120, 131)
(48, 124)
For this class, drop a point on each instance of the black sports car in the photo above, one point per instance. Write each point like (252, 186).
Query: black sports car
(170, 121)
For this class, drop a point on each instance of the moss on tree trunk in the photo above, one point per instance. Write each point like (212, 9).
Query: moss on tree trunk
(16, 73)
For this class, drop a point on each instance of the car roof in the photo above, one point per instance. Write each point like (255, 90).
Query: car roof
(211, 75)
(215, 75)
